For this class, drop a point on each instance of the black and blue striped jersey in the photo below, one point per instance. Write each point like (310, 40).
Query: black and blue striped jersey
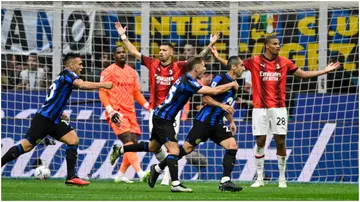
(180, 92)
(215, 115)
(58, 95)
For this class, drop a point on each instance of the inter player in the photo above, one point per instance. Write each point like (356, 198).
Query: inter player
(268, 74)
(163, 73)
(119, 105)
(163, 132)
(208, 123)
(50, 119)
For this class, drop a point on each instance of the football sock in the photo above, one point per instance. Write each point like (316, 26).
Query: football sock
(13, 153)
(172, 162)
(134, 161)
(282, 166)
(229, 162)
(163, 163)
(140, 147)
(225, 179)
(182, 152)
(71, 158)
(161, 155)
(259, 161)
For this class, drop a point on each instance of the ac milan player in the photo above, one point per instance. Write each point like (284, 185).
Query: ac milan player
(268, 73)
(163, 73)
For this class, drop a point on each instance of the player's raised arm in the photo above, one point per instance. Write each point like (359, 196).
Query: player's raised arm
(212, 102)
(218, 89)
(217, 57)
(121, 31)
(308, 74)
(213, 39)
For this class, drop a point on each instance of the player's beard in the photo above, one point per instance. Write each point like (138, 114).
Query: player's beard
(122, 62)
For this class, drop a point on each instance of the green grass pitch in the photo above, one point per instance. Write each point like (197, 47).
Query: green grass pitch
(106, 190)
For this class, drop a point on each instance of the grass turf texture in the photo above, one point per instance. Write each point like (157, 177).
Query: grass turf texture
(105, 190)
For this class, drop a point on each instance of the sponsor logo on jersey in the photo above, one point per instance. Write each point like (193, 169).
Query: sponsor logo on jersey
(164, 80)
(270, 76)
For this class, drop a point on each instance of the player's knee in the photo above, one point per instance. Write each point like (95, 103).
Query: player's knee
(260, 143)
(154, 147)
(27, 146)
(73, 141)
(173, 149)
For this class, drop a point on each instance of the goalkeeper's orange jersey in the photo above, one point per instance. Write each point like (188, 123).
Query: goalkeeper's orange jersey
(124, 92)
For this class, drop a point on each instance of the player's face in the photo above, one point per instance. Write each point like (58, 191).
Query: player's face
(76, 65)
(240, 68)
(120, 55)
(32, 63)
(189, 50)
(165, 53)
(200, 69)
(273, 46)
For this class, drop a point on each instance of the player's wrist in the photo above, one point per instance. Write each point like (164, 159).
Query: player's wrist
(147, 106)
(123, 36)
(109, 109)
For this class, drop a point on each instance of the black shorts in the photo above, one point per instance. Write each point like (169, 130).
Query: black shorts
(201, 131)
(42, 126)
(163, 130)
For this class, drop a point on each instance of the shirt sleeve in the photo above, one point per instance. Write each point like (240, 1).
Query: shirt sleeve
(194, 86)
(248, 63)
(215, 81)
(71, 77)
(291, 67)
(147, 61)
(182, 66)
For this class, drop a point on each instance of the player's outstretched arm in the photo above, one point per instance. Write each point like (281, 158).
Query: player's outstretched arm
(213, 39)
(121, 31)
(210, 101)
(308, 74)
(206, 90)
(91, 85)
(139, 97)
(217, 57)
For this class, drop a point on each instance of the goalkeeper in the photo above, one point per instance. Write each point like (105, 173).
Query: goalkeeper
(120, 110)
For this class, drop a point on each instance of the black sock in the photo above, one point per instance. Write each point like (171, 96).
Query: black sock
(139, 147)
(229, 162)
(182, 152)
(172, 162)
(71, 158)
(163, 163)
(13, 153)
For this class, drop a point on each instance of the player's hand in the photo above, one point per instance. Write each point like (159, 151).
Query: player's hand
(236, 85)
(332, 66)
(233, 128)
(214, 37)
(115, 117)
(228, 109)
(107, 85)
(214, 51)
(64, 117)
(120, 30)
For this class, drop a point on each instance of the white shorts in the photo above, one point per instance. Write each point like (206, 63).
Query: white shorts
(269, 121)
(176, 123)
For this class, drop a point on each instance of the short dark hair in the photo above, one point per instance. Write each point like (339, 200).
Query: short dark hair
(69, 57)
(268, 39)
(166, 43)
(192, 62)
(233, 60)
(118, 46)
(33, 55)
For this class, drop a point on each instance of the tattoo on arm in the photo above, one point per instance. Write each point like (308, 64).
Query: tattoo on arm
(204, 52)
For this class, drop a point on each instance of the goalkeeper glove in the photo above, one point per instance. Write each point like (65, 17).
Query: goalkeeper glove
(115, 116)
(147, 106)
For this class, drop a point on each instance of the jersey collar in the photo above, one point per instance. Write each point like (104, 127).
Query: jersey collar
(188, 75)
(269, 59)
(229, 77)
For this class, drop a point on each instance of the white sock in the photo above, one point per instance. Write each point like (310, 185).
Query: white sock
(175, 183)
(161, 155)
(224, 179)
(120, 174)
(282, 166)
(158, 169)
(141, 173)
(259, 161)
(122, 150)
